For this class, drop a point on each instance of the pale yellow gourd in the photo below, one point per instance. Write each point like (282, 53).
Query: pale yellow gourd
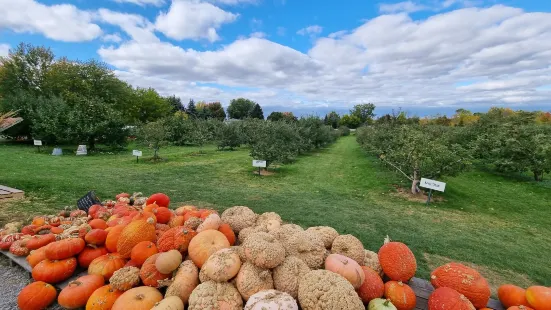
(169, 261)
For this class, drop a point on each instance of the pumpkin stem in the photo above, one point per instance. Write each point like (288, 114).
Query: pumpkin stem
(387, 239)
(386, 302)
(140, 296)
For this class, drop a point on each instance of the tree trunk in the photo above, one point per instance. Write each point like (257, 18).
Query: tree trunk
(92, 142)
(414, 188)
(538, 176)
(155, 156)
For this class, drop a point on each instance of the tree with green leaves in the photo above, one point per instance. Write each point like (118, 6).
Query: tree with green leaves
(191, 110)
(275, 142)
(350, 121)
(240, 108)
(228, 136)
(203, 132)
(332, 119)
(149, 105)
(282, 116)
(364, 112)
(256, 112)
(175, 103)
(153, 135)
(216, 110)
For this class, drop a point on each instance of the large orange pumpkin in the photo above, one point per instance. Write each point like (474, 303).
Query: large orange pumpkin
(445, 298)
(54, 271)
(397, 261)
(96, 236)
(89, 254)
(64, 248)
(134, 233)
(345, 267)
(160, 199)
(113, 238)
(228, 232)
(36, 256)
(539, 297)
(106, 265)
(98, 224)
(149, 273)
(401, 295)
(37, 295)
(103, 298)
(143, 251)
(38, 241)
(511, 295)
(176, 238)
(138, 298)
(464, 280)
(204, 244)
(77, 292)
(372, 287)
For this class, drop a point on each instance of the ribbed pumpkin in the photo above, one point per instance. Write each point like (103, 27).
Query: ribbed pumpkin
(372, 287)
(149, 273)
(37, 295)
(464, 280)
(64, 248)
(38, 241)
(228, 232)
(77, 292)
(397, 261)
(103, 298)
(143, 251)
(54, 271)
(106, 265)
(401, 295)
(36, 256)
(511, 295)
(445, 298)
(89, 254)
(134, 233)
(138, 298)
(539, 297)
(176, 238)
(204, 244)
(96, 236)
(113, 237)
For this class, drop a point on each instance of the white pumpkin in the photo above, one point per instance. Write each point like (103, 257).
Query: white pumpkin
(271, 300)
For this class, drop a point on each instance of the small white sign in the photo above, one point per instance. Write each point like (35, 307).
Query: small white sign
(57, 151)
(82, 150)
(136, 153)
(38, 142)
(259, 163)
(432, 184)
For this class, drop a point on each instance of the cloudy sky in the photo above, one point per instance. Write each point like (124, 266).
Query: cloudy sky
(426, 56)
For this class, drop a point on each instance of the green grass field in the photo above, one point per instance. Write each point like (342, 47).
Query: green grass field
(499, 224)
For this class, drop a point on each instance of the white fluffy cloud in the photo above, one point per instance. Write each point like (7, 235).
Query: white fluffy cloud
(137, 27)
(63, 22)
(4, 49)
(193, 19)
(406, 6)
(114, 37)
(310, 30)
(495, 55)
(143, 2)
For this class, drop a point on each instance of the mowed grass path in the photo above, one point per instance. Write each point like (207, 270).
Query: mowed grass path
(503, 226)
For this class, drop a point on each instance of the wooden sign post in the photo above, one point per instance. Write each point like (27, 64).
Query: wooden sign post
(137, 153)
(38, 144)
(259, 164)
(432, 184)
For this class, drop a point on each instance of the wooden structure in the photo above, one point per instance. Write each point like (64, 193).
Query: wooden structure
(8, 192)
(422, 288)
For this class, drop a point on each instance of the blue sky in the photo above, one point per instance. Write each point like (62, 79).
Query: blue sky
(425, 56)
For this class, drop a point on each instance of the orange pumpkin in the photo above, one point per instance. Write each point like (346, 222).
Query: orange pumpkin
(144, 215)
(539, 297)
(464, 280)
(106, 265)
(400, 295)
(176, 238)
(64, 248)
(18, 248)
(38, 221)
(138, 298)
(372, 287)
(346, 267)
(163, 215)
(183, 209)
(511, 295)
(149, 273)
(103, 298)
(191, 214)
(37, 295)
(98, 224)
(113, 238)
(176, 221)
(90, 253)
(96, 236)
(228, 232)
(134, 233)
(445, 298)
(8, 240)
(94, 209)
(36, 256)
(160, 199)
(38, 241)
(56, 230)
(518, 308)
(132, 263)
(77, 292)
(204, 244)
(143, 251)
(54, 271)
(206, 212)
(397, 261)
(29, 229)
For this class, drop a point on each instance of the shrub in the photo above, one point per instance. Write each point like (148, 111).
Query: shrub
(344, 131)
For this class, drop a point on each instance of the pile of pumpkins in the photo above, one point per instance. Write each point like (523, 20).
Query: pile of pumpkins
(140, 254)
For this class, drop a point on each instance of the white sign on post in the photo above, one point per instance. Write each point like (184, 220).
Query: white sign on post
(38, 142)
(82, 150)
(432, 184)
(136, 153)
(259, 163)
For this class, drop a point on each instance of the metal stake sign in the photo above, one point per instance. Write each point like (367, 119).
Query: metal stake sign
(81, 150)
(259, 164)
(137, 153)
(432, 184)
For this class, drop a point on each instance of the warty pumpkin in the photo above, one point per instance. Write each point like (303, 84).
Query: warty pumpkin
(106, 265)
(103, 298)
(222, 266)
(19, 248)
(397, 260)
(76, 293)
(445, 298)
(7, 240)
(177, 220)
(37, 295)
(134, 233)
(138, 298)
(176, 238)
(54, 271)
(464, 280)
